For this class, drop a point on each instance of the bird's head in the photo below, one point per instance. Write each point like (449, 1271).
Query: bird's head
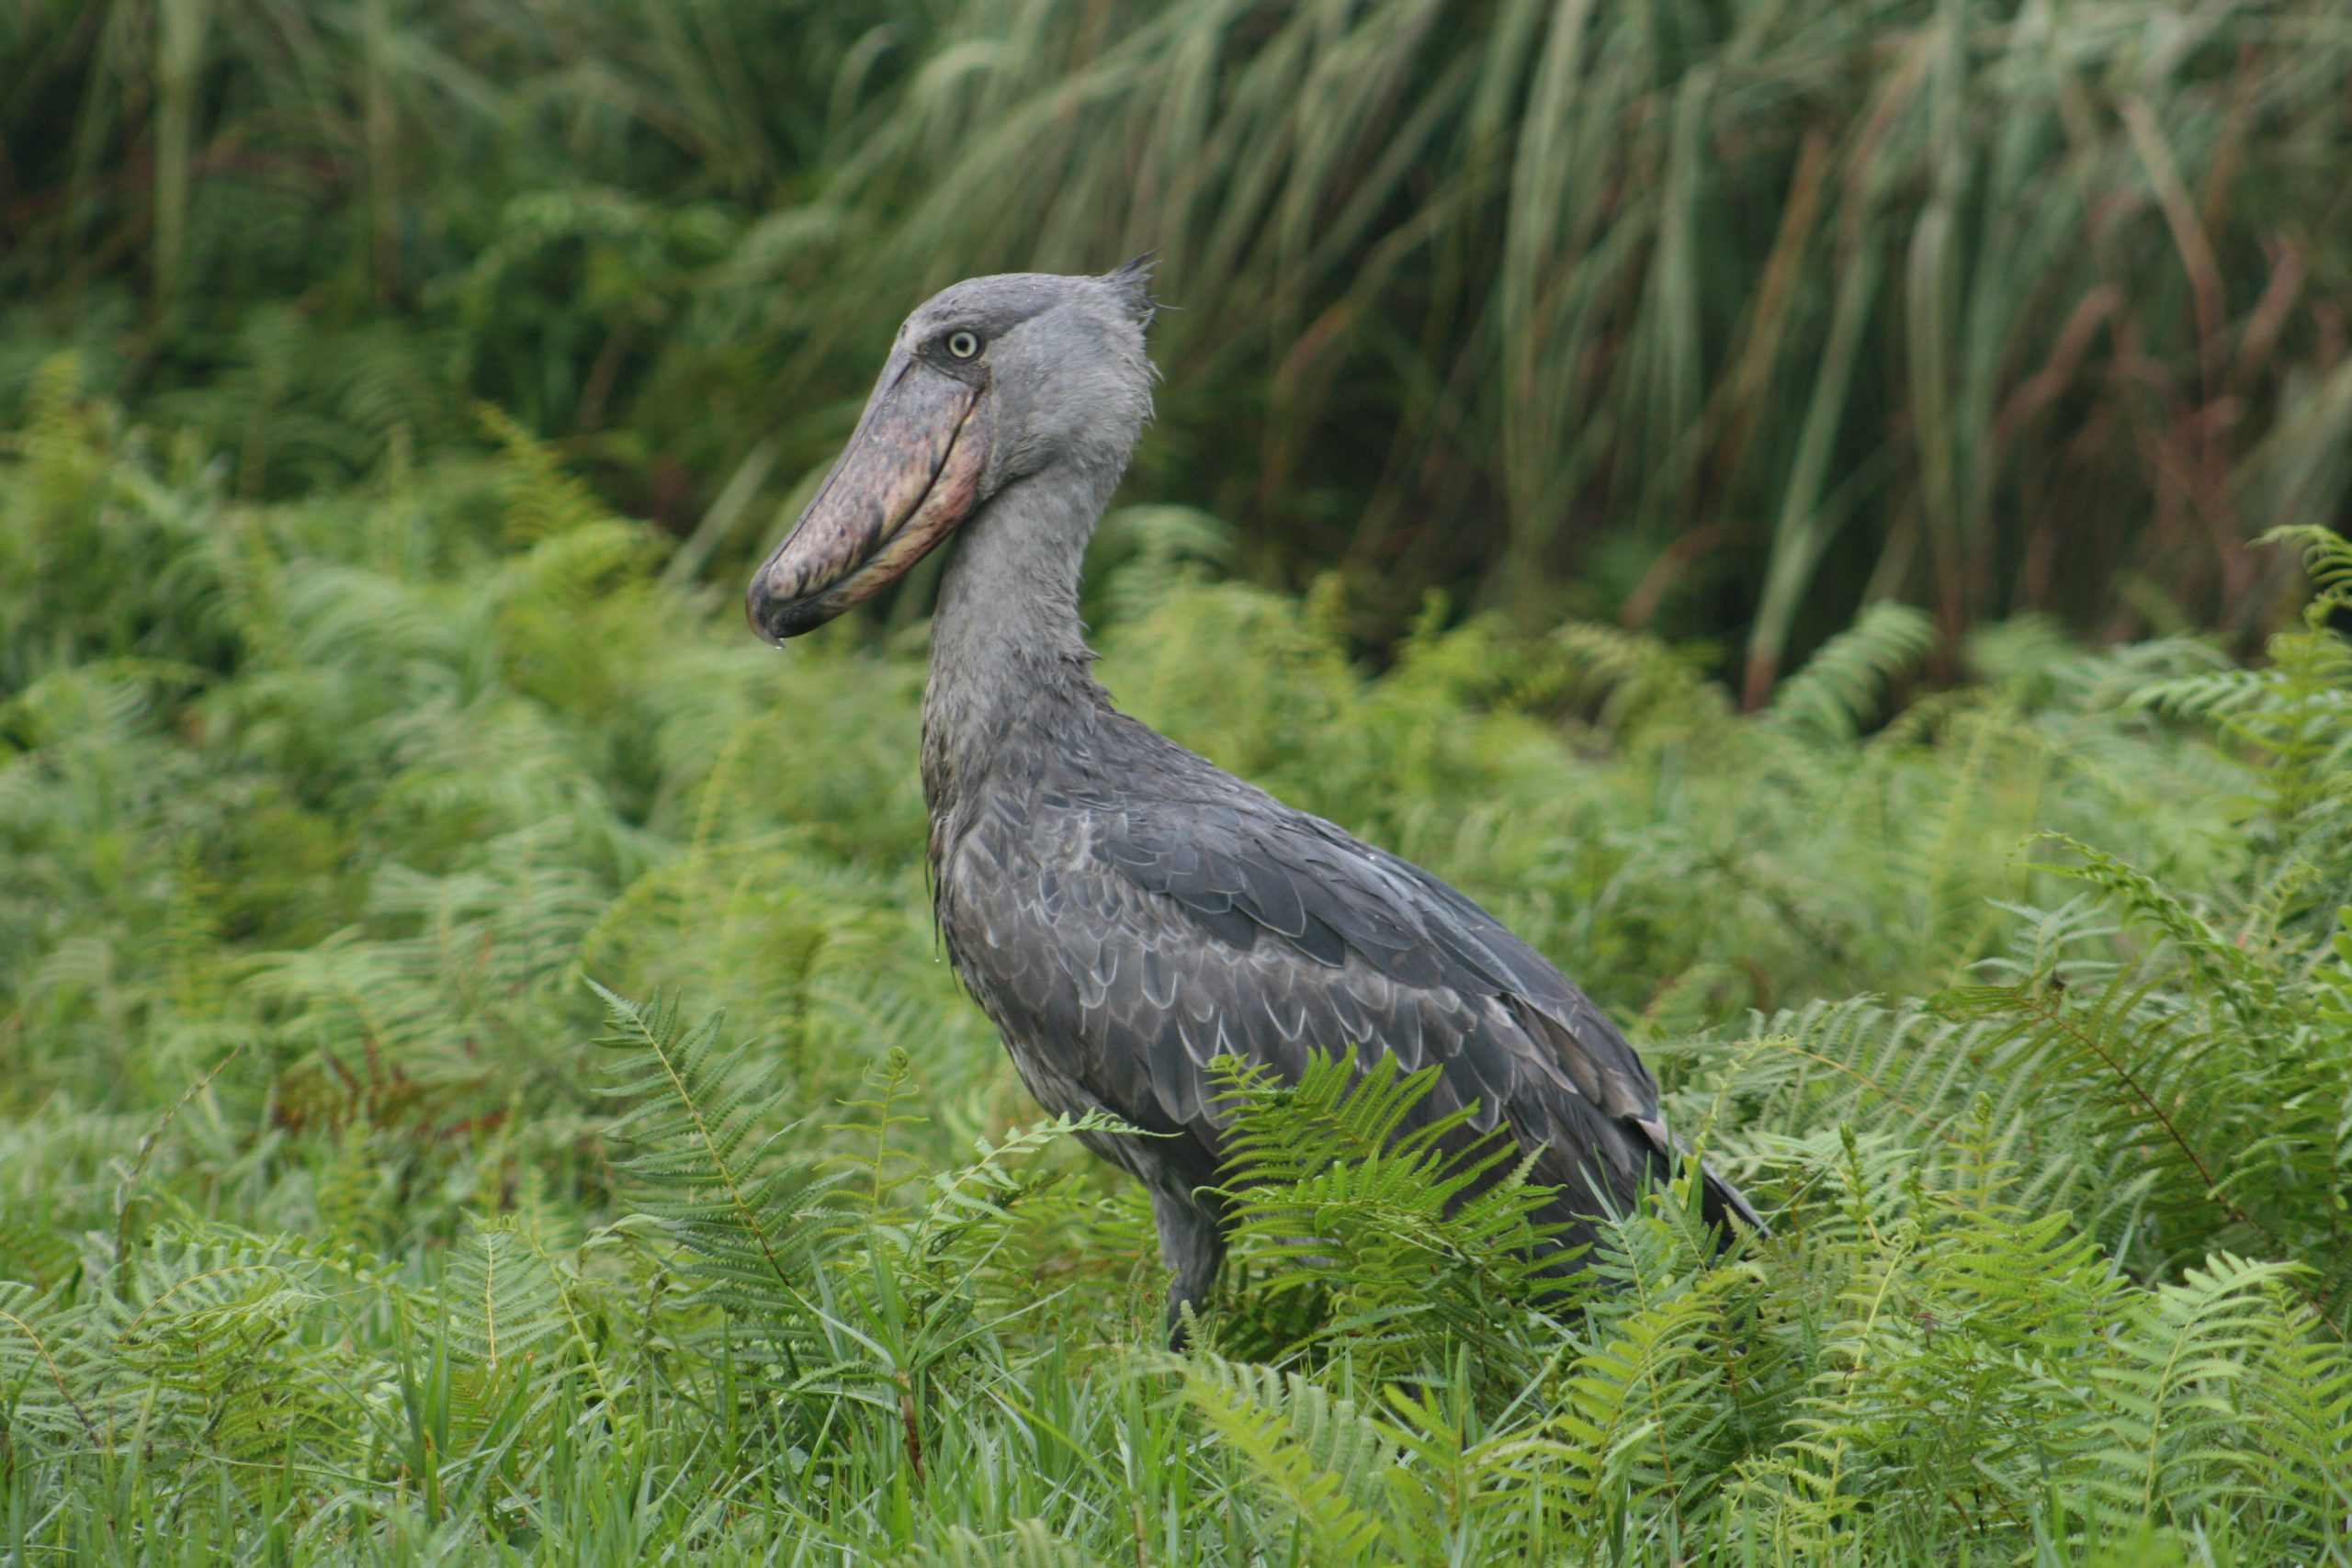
(990, 382)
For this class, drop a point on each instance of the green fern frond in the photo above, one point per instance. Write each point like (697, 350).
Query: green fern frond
(33, 1251)
(977, 1198)
(878, 1165)
(2300, 1438)
(227, 1341)
(50, 1383)
(715, 1162)
(1383, 1224)
(544, 501)
(1844, 685)
(1309, 1452)
(2236, 978)
(2327, 557)
(2169, 1389)
(1628, 681)
(500, 1300)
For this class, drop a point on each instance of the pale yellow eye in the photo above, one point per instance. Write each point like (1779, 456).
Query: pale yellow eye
(963, 345)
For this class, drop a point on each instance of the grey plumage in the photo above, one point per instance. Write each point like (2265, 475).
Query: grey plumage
(1125, 911)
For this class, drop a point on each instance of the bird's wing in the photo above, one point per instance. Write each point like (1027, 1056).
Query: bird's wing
(1212, 919)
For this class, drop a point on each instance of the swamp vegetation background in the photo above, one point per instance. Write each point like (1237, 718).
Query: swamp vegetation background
(1779, 498)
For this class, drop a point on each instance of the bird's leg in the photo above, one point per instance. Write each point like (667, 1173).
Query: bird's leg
(1191, 1241)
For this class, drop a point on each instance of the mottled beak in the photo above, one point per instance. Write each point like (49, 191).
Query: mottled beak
(911, 472)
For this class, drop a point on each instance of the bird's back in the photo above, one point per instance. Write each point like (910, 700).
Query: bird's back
(1127, 912)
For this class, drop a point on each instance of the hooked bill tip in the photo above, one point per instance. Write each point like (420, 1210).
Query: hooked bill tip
(908, 476)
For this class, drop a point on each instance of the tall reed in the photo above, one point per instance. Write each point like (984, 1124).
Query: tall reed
(1716, 316)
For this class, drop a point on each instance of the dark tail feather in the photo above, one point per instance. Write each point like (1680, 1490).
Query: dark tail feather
(1720, 1204)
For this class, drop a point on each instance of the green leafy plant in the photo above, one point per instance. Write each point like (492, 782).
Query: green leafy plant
(1358, 1223)
(329, 1228)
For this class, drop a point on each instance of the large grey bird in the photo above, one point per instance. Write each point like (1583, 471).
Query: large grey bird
(1125, 911)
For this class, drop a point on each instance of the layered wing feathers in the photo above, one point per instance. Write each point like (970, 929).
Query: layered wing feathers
(1124, 939)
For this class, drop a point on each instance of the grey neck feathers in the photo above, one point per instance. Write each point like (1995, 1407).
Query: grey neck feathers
(1006, 641)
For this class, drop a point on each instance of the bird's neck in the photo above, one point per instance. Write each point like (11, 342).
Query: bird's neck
(1006, 642)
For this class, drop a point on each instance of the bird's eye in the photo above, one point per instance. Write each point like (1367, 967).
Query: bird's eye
(963, 345)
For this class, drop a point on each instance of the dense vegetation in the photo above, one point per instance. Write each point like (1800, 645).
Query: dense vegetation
(1712, 318)
(343, 1217)
(477, 1076)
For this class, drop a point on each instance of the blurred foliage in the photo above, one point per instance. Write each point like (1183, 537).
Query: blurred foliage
(342, 1218)
(1711, 318)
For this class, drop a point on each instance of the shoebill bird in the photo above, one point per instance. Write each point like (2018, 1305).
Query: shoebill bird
(1125, 911)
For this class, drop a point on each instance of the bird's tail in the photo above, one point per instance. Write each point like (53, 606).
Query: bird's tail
(1720, 1204)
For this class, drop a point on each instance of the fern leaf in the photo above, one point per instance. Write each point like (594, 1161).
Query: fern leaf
(500, 1300)
(715, 1161)
(1844, 686)
(1311, 1451)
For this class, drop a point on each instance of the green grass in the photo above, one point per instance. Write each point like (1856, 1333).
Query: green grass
(343, 1219)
